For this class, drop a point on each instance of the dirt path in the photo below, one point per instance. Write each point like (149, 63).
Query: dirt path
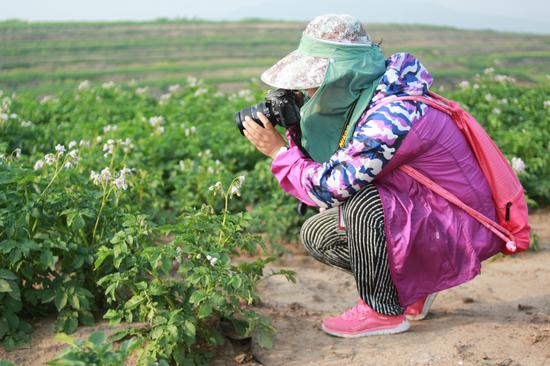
(500, 318)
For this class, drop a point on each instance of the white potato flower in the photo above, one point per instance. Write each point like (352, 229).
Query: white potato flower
(142, 91)
(518, 165)
(106, 174)
(108, 85)
(60, 149)
(50, 159)
(174, 88)
(200, 91)
(218, 187)
(120, 182)
(39, 164)
(464, 84)
(84, 85)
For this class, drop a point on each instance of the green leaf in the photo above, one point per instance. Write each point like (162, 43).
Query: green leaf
(7, 275)
(97, 337)
(264, 338)
(86, 318)
(74, 301)
(65, 338)
(12, 320)
(4, 286)
(78, 222)
(60, 299)
(197, 297)
(205, 310)
(134, 302)
(70, 325)
(189, 329)
(114, 317)
(47, 259)
(8, 178)
(15, 293)
(102, 254)
(47, 295)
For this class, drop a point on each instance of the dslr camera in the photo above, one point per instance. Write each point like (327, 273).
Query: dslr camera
(281, 107)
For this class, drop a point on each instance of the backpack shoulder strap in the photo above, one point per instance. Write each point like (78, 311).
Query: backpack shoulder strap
(498, 230)
(453, 109)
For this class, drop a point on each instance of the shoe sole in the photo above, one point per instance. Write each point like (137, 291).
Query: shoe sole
(404, 326)
(425, 309)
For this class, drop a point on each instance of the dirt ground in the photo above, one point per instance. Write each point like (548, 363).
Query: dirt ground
(502, 317)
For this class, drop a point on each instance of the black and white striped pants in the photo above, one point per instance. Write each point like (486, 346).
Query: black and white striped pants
(360, 249)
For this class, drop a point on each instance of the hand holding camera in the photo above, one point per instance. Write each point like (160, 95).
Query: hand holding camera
(281, 107)
(266, 139)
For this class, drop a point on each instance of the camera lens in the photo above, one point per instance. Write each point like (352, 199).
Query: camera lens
(252, 112)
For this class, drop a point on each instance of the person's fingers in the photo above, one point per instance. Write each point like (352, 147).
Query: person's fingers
(253, 126)
(251, 135)
(249, 126)
(251, 138)
(265, 121)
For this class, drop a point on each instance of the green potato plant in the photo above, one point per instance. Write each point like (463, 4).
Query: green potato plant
(118, 202)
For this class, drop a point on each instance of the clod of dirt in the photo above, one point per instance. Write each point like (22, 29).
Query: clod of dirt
(540, 318)
(463, 350)
(522, 307)
(243, 358)
(536, 338)
(506, 362)
(318, 298)
(467, 300)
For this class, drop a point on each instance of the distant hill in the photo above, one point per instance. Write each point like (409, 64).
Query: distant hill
(46, 57)
(504, 15)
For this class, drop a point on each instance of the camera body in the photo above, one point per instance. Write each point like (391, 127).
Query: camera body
(281, 107)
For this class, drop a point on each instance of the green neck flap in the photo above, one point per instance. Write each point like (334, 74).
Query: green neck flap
(352, 75)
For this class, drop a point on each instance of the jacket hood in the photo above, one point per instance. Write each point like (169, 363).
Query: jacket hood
(405, 75)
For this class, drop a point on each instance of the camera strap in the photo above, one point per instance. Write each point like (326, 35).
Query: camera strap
(342, 141)
(297, 139)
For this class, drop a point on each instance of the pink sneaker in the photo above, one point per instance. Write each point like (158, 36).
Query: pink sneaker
(419, 310)
(361, 321)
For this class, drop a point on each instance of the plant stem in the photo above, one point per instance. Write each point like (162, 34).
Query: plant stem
(103, 199)
(224, 215)
(55, 174)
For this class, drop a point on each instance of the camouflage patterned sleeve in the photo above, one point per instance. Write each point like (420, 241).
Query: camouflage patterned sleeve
(375, 141)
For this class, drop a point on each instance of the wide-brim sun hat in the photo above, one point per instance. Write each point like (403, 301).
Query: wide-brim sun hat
(298, 71)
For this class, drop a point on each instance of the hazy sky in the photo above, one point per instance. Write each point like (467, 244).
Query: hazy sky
(508, 15)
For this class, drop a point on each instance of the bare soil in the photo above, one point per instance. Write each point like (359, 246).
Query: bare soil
(502, 317)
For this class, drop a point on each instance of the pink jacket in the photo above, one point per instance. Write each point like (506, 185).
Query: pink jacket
(432, 245)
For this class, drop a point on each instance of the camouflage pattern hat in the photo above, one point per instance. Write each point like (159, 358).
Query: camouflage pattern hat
(298, 71)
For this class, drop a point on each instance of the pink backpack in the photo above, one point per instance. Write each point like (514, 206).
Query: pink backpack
(511, 207)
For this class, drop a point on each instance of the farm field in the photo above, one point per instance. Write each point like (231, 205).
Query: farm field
(47, 57)
(131, 206)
